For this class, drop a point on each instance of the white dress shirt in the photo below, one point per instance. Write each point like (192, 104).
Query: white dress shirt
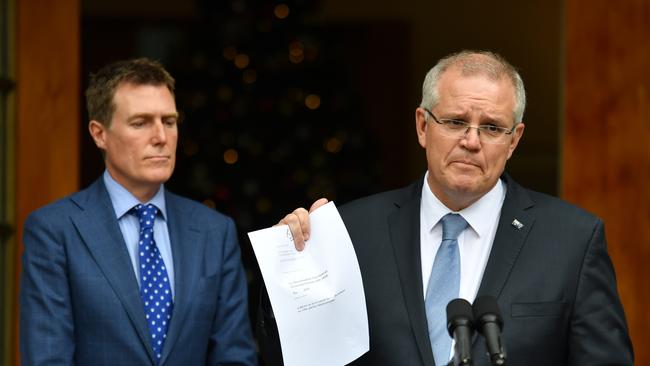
(475, 242)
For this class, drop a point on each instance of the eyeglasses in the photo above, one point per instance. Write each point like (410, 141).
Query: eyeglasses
(488, 133)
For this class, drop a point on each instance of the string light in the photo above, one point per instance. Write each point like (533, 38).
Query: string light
(312, 101)
(230, 156)
(242, 60)
(296, 52)
(281, 11)
(333, 145)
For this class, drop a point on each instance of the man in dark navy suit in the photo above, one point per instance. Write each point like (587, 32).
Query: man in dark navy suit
(125, 272)
(544, 260)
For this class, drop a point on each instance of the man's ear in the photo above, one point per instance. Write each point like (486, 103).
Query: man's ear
(421, 126)
(518, 133)
(98, 132)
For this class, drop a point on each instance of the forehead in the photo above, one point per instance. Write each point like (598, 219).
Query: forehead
(143, 98)
(477, 90)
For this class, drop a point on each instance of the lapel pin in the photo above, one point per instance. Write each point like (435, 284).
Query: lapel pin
(517, 224)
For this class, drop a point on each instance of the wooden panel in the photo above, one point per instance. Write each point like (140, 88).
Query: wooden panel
(606, 159)
(47, 76)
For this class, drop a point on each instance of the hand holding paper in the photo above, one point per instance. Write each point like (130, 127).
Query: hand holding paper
(316, 294)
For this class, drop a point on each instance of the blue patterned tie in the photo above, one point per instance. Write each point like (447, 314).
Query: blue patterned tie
(444, 285)
(155, 289)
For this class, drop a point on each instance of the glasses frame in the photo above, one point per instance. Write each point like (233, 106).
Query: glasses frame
(467, 125)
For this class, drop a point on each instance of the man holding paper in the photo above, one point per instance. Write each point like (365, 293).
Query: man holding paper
(467, 229)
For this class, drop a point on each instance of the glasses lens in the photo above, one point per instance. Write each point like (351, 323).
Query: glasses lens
(487, 134)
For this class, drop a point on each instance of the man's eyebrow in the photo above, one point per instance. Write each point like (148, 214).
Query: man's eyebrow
(140, 115)
(455, 115)
(150, 115)
(489, 118)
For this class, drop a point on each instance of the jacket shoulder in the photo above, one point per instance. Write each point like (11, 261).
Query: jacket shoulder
(382, 203)
(551, 209)
(197, 211)
(60, 208)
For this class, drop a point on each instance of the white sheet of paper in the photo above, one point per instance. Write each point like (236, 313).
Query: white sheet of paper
(316, 294)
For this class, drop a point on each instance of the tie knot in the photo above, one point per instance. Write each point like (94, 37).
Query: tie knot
(452, 226)
(146, 214)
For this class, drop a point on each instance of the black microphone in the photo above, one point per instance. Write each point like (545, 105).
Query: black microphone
(460, 325)
(489, 323)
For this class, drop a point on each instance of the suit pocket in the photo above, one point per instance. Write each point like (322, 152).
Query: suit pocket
(537, 309)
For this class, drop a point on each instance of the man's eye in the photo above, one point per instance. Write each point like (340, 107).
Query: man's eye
(455, 123)
(170, 121)
(137, 123)
(491, 128)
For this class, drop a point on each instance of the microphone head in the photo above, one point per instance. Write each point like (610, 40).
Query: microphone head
(459, 313)
(486, 310)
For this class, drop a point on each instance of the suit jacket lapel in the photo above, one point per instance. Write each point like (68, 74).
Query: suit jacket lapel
(514, 225)
(98, 228)
(404, 226)
(184, 235)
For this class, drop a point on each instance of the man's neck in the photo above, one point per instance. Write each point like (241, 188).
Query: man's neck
(143, 193)
(456, 201)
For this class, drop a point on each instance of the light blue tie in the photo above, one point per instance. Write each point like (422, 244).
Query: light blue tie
(155, 289)
(444, 285)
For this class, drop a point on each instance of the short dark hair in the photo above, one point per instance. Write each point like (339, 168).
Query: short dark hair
(102, 85)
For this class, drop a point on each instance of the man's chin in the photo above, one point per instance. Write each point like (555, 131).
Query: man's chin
(466, 176)
(158, 176)
(466, 183)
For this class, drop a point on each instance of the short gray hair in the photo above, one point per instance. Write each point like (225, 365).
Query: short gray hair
(488, 63)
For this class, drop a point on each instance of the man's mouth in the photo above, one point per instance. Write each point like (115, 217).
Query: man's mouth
(465, 162)
(157, 158)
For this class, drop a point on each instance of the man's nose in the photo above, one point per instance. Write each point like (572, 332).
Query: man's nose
(159, 133)
(472, 138)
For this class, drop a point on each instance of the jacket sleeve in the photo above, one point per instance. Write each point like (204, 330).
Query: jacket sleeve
(598, 332)
(46, 319)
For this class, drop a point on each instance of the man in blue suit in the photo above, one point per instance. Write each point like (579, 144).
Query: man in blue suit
(125, 272)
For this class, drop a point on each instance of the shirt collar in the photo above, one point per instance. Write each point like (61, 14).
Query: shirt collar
(490, 204)
(123, 200)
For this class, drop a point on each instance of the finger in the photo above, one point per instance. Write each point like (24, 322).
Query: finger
(317, 204)
(298, 222)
